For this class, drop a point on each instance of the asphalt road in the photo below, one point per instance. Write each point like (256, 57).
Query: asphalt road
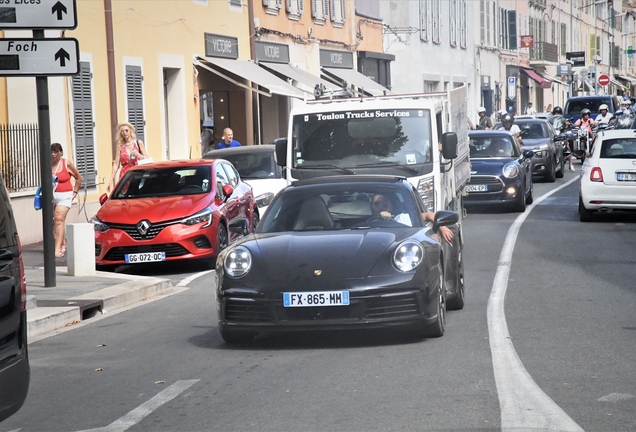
(569, 317)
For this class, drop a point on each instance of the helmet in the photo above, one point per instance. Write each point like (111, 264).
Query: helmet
(557, 110)
(585, 111)
(481, 109)
(626, 102)
(508, 119)
(603, 107)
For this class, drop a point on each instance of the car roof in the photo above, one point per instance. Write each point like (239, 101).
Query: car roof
(176, 163)
(356, 178)
(478, 133)
(618, 133)
(248, 149)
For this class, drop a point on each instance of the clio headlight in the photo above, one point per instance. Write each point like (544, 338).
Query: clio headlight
(238, 262)
(204, 215)
(408, 255)
(510, 170)
(426, 189)
(98, 225)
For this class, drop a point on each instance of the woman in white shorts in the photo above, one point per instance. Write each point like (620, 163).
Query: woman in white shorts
(64, 192)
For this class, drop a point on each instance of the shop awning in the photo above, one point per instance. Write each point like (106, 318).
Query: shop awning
(632, 81)
(353, 77)
(553, 79)
(544, 83)
(617, 84)
(251, 72)
(299, 75)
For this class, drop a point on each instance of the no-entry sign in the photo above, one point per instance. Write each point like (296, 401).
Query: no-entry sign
(603, 80)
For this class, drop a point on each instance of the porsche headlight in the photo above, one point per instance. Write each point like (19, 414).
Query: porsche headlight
(265, 199)
(98, 225)
(238, 262)
(204, 215)
(408, 255)
(510, 170)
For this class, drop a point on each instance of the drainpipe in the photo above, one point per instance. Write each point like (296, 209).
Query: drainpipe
(112, 82)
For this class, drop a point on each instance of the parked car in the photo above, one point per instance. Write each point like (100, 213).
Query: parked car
(257, 166)
(608, 175)
(539, 136)
(14, 356)
(501, 172)
(320, 259)
(173, 211)
(574, 105)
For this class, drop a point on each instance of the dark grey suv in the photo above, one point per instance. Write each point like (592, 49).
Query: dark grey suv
(14, 358)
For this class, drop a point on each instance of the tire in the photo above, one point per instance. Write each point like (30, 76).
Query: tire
(585, 215)
(233, 336)
(560, 173)
(520, 202)
(255, 220)
(436, 329)
(221, 238)
(530, 197)
(457, 302)
(551, 177)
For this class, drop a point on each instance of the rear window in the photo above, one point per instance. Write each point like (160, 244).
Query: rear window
(619, 148)
(254, 165)
(574, 107)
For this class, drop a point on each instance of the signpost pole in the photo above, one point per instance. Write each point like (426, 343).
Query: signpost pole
(44, 127)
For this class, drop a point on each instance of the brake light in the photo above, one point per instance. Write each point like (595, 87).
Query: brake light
(596, 175)
(23, 294)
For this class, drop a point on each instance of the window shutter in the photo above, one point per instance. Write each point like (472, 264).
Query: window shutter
(279, 4)
(512, 30)
(265, 2)
(288, 5)
(135, 100)
(314, 8)
(325, 5)
(592, 47)
(301, 7)
(83, 115)
(343, 5)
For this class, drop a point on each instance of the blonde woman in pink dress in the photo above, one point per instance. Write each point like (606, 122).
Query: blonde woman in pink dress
(131, 150)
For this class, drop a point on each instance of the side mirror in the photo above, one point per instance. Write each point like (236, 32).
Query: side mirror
(102, 199)
(228, 190)
(449, 145)
(241, 226)
(528, 154)
(281, 151)
(444, 218)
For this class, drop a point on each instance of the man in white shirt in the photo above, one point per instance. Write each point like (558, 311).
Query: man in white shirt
(604, 116)
(508, 125)
(530, 109)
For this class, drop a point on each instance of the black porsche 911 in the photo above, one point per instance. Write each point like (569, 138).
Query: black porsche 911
(326, 257)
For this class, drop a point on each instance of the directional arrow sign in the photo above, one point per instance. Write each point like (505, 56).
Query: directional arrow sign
(39, 57)
(38, 14)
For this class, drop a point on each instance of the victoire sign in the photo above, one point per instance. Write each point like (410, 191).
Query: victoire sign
(38, 14)
(35, 57)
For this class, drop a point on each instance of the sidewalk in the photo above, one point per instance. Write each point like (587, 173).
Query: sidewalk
(78, 298)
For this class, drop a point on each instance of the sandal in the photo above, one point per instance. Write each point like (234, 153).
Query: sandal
(60, 254)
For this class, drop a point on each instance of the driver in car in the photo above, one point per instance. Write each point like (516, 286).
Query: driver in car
(381, 206)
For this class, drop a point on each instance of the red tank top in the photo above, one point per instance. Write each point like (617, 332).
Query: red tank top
(63, 177)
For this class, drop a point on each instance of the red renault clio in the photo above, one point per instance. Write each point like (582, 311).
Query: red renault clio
(174, 210)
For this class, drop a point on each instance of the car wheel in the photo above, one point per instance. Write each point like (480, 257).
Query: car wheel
(585, 215)
(457, 302)
(520, 202)
(551, 177)
(530, 197)
(255, 220)
(560, 173)
(221, 238)
(233, 336)
(436, 329)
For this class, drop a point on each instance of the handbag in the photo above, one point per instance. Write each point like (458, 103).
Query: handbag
(37, 199)
(145, 161)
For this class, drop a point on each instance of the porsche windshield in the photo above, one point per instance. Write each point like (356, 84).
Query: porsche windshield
(348, 139)
(158, 182)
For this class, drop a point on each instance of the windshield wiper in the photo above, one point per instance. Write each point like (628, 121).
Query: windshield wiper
(391, 164)
(325, 166)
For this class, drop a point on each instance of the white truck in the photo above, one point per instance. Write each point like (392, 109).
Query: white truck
(423, 137)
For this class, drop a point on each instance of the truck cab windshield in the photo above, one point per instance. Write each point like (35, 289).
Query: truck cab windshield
(382, 139)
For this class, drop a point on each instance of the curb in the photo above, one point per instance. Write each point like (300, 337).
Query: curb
(43, 320)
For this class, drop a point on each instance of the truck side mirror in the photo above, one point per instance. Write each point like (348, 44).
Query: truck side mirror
(281, 151)
(449, 145)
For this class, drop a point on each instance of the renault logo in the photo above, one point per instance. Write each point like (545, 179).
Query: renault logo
(143, 227)
(317, 272)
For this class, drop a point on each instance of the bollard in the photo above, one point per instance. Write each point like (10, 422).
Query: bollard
(80, 249)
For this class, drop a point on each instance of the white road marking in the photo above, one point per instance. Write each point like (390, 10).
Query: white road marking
(524, 406)
(186, 281)
(615, 397)
(143, 410)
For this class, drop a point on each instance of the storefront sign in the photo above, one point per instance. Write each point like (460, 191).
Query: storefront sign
(564, 69)
(336, 59)
(527, 41)
(577, 58)
(512, 88)
(272, 52)
(221, 46)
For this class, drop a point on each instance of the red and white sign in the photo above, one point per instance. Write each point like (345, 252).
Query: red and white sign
(527, 41)
(603, 80)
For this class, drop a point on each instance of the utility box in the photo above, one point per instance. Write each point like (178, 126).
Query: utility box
(80, 248)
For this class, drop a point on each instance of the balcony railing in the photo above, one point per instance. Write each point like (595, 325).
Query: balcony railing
(544, 51)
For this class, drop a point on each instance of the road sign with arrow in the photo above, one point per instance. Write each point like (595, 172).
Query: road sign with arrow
(43, 14)
(35, 57)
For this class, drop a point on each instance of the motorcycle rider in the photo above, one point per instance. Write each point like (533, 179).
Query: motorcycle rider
(508, 125)
(586, 122)
(605, 116)
(485, 122)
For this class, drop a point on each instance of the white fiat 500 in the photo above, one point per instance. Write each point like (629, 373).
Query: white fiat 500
(608, 176)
